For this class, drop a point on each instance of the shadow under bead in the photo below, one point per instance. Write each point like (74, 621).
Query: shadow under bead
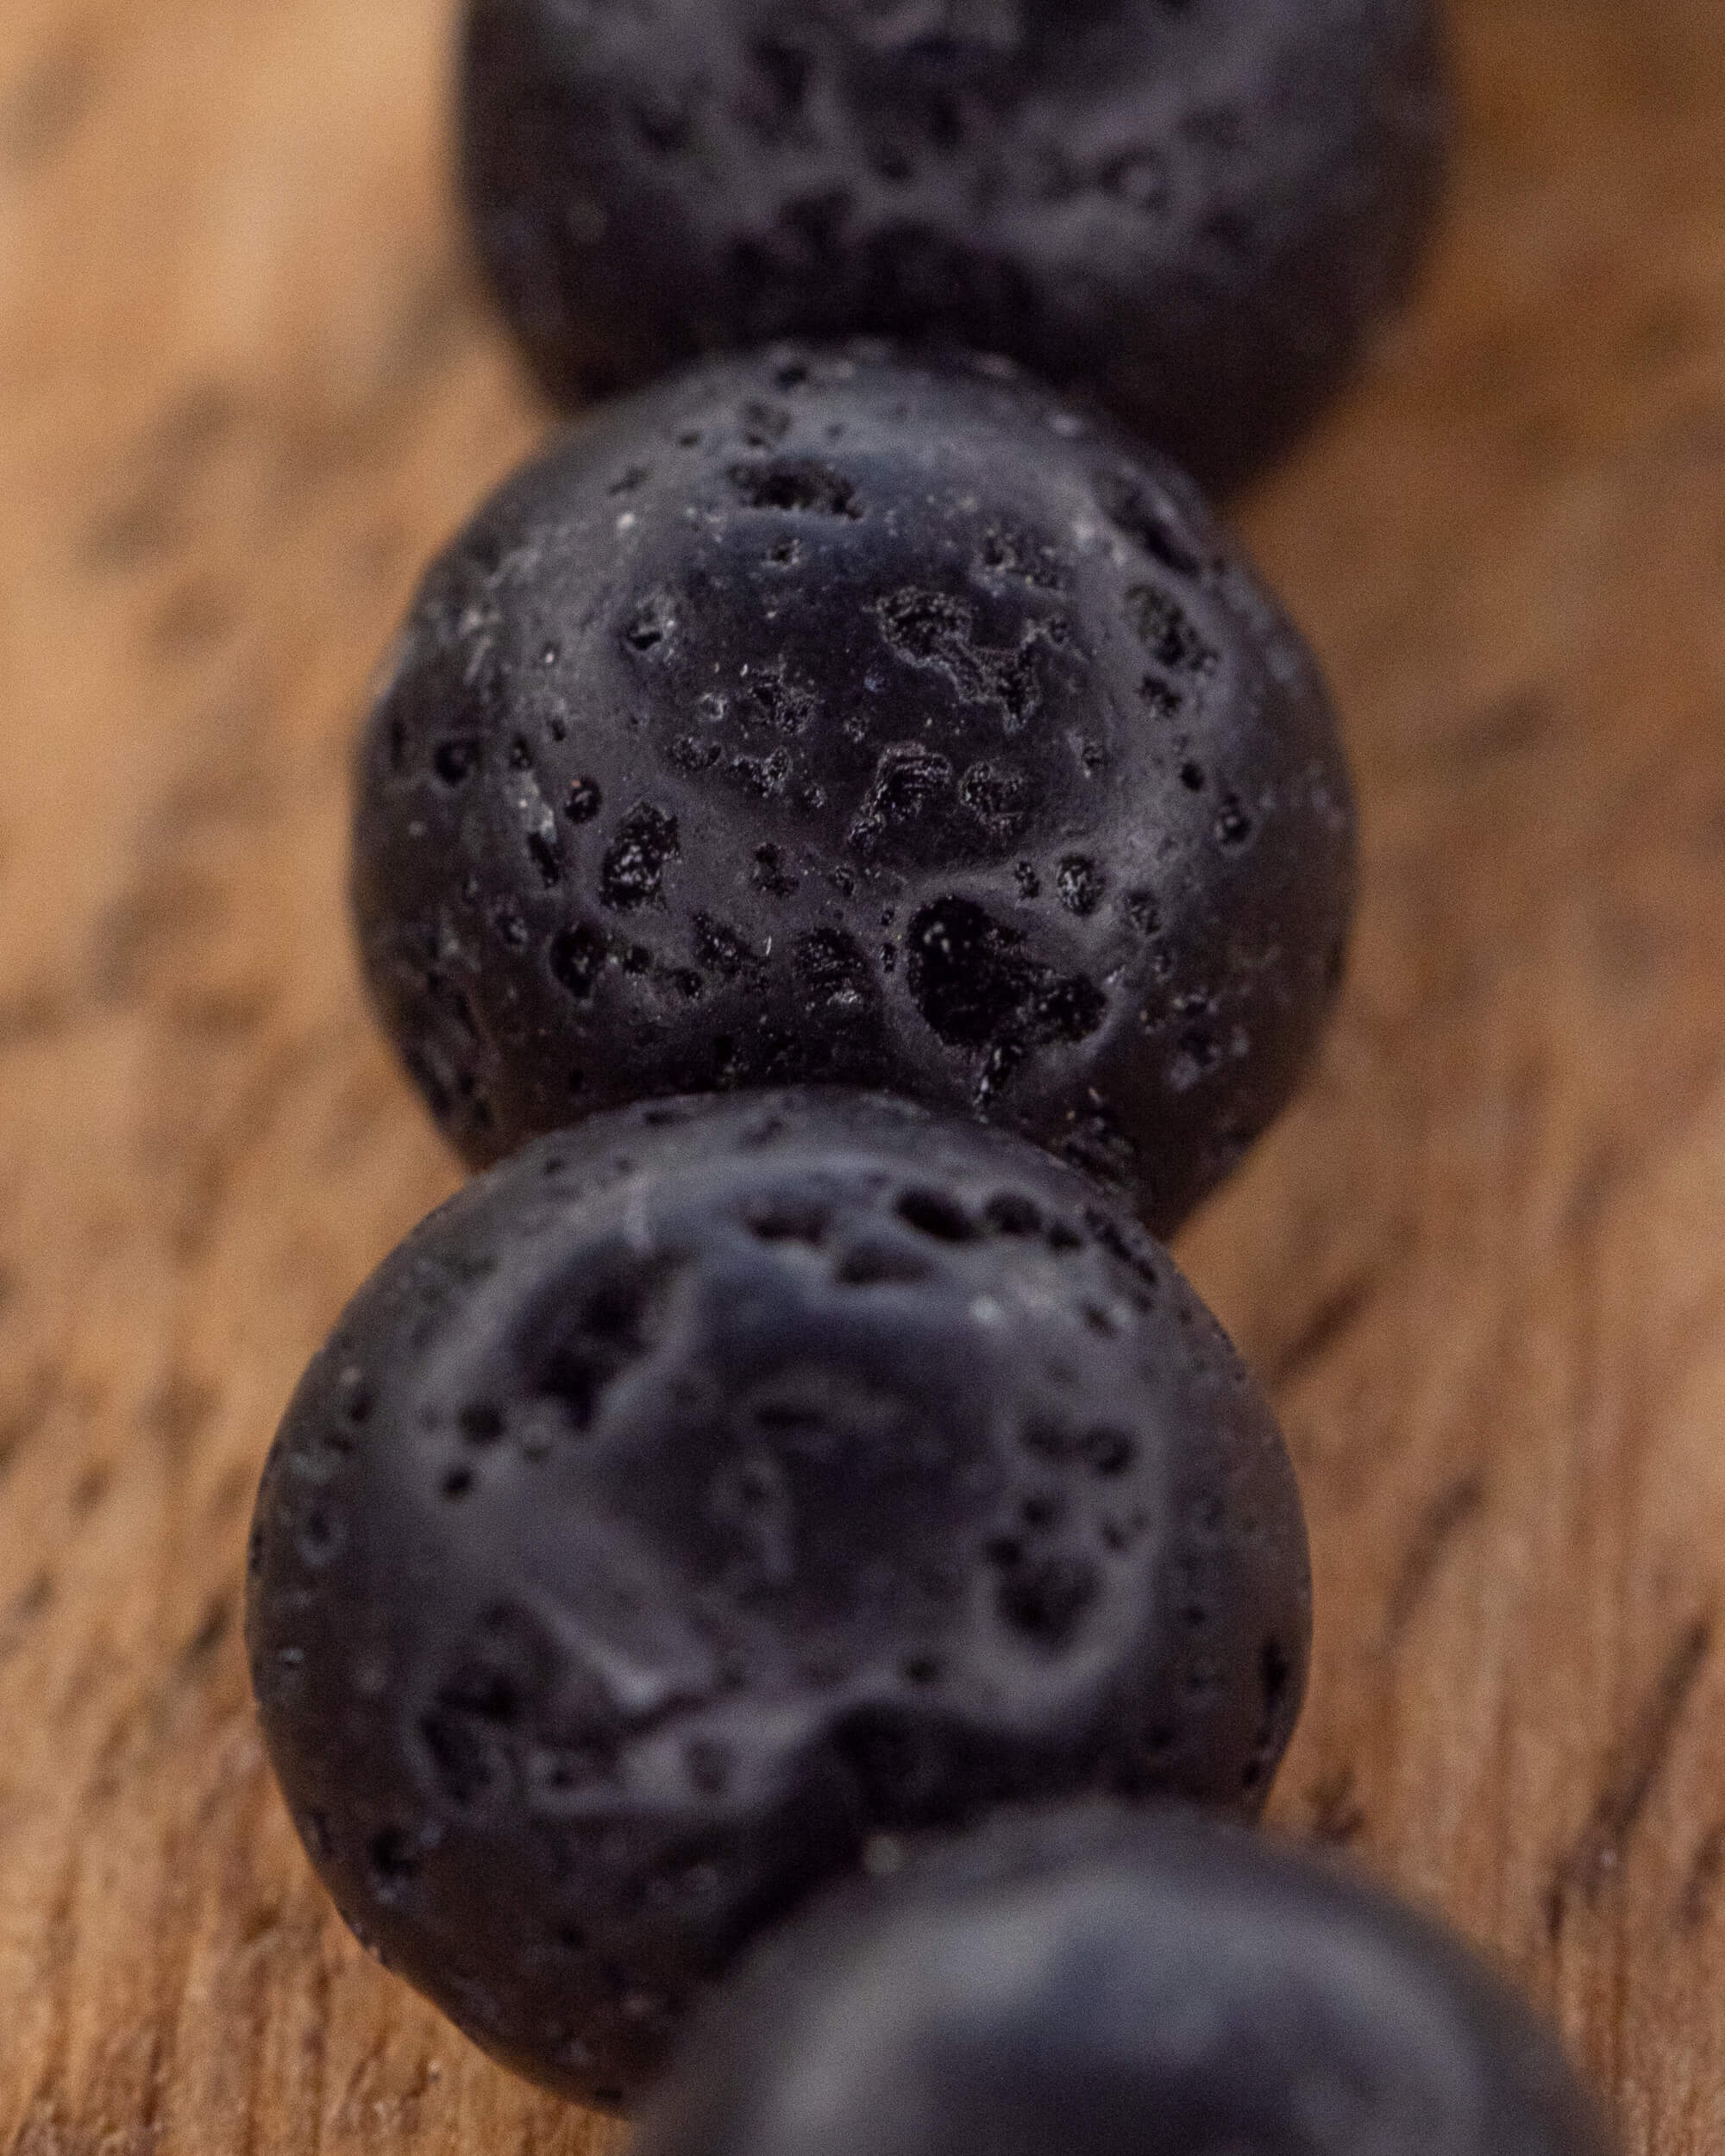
(1194, 208)
(825, 717)
(717, 1486)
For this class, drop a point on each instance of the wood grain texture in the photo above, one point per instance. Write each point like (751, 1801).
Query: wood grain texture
(246, 387)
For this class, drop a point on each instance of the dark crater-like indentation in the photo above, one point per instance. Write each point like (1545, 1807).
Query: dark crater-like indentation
(911, 783)
(762, 425)
(978, 988)
(650, 623)
(1081, 884)
(472, 1726)
(321, 1533)
(782, 73)
(392, 1859)
(719, 947)
(455, 759)
(1101, 1449)
(577, 959)
(798, 484)
(1125, 1241)
(1198, 1054)
(1007, 553)
(934, 631)
(998, 797)
(693, 753)
(1042, 1597)
(1168, 632)
(933, 1213)
(790, 1216)
(832, 972)
(633, 873)
(481, 1423)
(770, 698)
(1010, 1213)
(1165, 703)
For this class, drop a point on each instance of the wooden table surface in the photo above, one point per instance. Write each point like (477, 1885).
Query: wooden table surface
(246, 387)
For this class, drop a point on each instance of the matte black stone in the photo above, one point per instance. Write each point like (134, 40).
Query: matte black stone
(1118, 1987)
(1194, 208)
(716, 1487)
(815, 718)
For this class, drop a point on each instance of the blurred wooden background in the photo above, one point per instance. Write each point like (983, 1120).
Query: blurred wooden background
(246, 387)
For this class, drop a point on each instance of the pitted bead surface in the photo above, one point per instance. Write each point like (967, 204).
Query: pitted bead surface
(822, 718)
(1196, 209)
(717, 1487)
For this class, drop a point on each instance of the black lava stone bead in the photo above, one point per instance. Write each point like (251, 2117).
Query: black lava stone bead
(1120, 1987)
(821, 718)
(712, 1490)
(1194, 208)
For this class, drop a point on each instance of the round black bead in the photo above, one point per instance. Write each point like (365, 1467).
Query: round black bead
(1121, 1987)
(715, 1488)
(1194, 208)
(818, 718)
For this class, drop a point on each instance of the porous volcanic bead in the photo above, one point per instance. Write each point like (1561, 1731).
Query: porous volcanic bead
(1120, 1986)
(820, 717)
(1196, 207)
(711, 1490)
